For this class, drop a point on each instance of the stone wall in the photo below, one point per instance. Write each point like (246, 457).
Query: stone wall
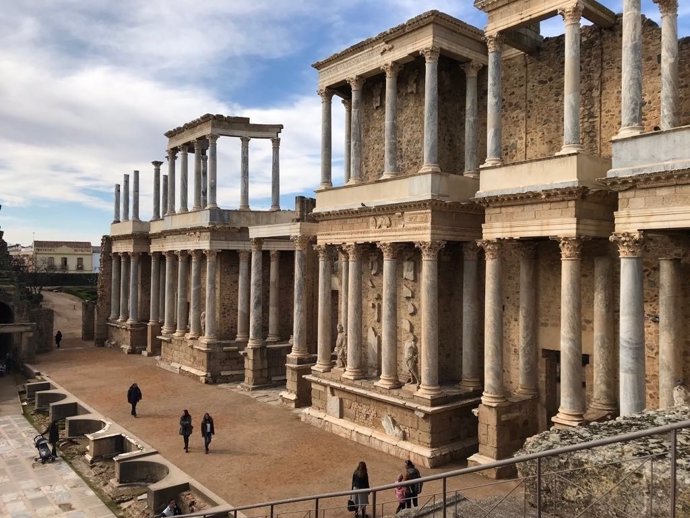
(43, 334)
(104, 286)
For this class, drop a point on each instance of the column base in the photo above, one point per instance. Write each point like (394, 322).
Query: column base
(566, 419)
(179, 333)
(242, 338)
(321, 368)
(243, 207)
(493, 400)
(167, 331)
(183, 210)
(597, 406)
(471, 384)
(388, 384)
(208, 341)
(428, 391)
(325, 185)
(570, 149)
(354, 181)
(527, 391)
(274, 208)
(492, 162)
(255, 367)
(471, 174)
(430, 168)
(389, 174)
(628, 131)
(299, 358)
(353, 374)
(272, 339)
(211, 206)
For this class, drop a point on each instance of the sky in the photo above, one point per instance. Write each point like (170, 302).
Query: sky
(89, 87)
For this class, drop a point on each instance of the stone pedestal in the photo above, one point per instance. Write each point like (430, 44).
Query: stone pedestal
(298, 389)
(133, 339)
(255, 368)
(153, 343)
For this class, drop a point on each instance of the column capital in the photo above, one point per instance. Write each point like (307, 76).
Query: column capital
(169, 254)
(171, 154)
(325, 251)
(354, 251)
(390, 250)
(430, 249)
(431, 54)
(157, 164)
(326, 94)
(301, 242)
(212, 137)
(197, 144)
(471, 68)
(347, 103)
(257, 244)
(527, 249)
(494, 41)
(275, 255)
(391, 69)
(667, 7)
(571, 247)
(245, 140)
(181, 253)
(629, 243)
(211, 254)
(355, 82)
(196, 254)
(470, 251)
(572, 14)
(492, 248)
(275, 142)
(244, 254)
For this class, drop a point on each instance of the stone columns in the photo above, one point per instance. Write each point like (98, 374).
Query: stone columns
(571, 79)
(347, 162)
(604, 387)
(161, 291)
(274, 298)
(529, 374)
(155, 287)
(471, 119)
(212, 170)
(182, 278)
(326, 95)
(389, 333)
(243, 298)
(156, 189)
(430, 163)
(116, 211)
(631, 64)
(390, 167)
(244, 180)
(184, 177)
(172, 156)
(631, 338)
(572, 409)
(429, 386)
(135, 196)
(134, 289)
(197, 174)
(356, 84)
(669, 63)
(195, 302)
(115, 288)
(670, 330)
(124, 287)
(210, 310)
(204, 180)
(344, 284)
(275, 174)
(494, 124)
(125, 198)
(255, 296)
(169, 323)
(471, 345)
(324, 343)
(299, 332)
(164, 196)
(354, 368)
(494, 393)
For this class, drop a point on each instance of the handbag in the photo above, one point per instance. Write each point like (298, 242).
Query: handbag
(351, 505)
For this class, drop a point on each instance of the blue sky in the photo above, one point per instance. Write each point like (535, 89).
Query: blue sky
(87, 89)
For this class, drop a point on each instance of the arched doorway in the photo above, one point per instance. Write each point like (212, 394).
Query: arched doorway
(6, 317)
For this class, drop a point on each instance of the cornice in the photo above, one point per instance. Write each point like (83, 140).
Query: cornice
(205, 118)
(466, 208)
(198, 229)
(525, 198)
(647, 180)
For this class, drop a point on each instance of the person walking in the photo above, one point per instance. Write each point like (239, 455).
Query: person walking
(360, 480)
(414, 489)
(53, 436)
(207, 430)
(133, 397)
(402, 494)
(58, 339)
(186, 428)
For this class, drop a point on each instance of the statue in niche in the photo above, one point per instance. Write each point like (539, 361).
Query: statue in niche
(373, 264)
(341, 348)
(412, 81)
(203, 323)
(412, 359)
(377, 95)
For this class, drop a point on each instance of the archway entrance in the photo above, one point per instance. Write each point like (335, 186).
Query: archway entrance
(6, 317)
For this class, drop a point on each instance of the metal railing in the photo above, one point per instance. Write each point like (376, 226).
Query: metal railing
(437, 504)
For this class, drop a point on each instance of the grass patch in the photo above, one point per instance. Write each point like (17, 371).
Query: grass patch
(85, 293)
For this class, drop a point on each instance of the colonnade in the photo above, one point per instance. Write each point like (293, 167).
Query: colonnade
(125, 199)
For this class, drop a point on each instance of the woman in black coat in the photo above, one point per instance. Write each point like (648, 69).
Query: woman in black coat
(207, 430)
(360, 480)
(186, 428)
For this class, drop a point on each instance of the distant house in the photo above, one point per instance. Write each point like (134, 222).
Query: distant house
(96, 258)
(26, 253)
(63, 256)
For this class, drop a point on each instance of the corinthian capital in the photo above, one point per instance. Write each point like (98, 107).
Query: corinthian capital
(494, 42)
(301, 242)
(471, 68)
(629, 243)
(391, 69)
(390, 250)
(491, 247)
(667, 7)
(571, 247)
(430, 54)
(256, 244)
(355, 82)
(354, 251)
(572, 14)
(430, 249)
(470, 251)
(326, 94)
(325, 252)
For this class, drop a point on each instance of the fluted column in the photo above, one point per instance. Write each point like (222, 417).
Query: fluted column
(134, 288)
(182, 281)
(184, 178)
(243, 298)
(494, 124)
(210, 310)
(274, 298)
(494, 393)
(604, 387)
(631, 70)
(389, 332)
(431, 56)
(571, 78)
(212, 170)
(244, 180)
(299, 330)
(471, 346)
(356, 84)
(154, 302)
(164, 196)
(115, 287)
(390, 148)
(172, 156)
(124, 287)
(471, 70)
(161, 292)
(256, 338)
(275, 173)
(170, 280)
(671, 340)
(347, 161)
(326, 95)
(156, 189)
(572, 409)
(669, 63)
(631, 338)
(116, 211)
(125, 197)
(195, 302)
(529, 373)
(135, 196)
(354, 368)
(344, 284)
(197, 174)
(324, 345)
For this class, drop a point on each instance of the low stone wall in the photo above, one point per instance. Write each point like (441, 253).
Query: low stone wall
(614, 480)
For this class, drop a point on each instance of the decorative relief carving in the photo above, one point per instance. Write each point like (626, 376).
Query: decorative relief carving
(407, 292)
(412, 359)
(430, 249)
(301, 242)
(572, 13)
(406, 325)
(494, 42)
(376, 222)
(386, 47)
(491, 247)
(629, 243)
(411, 309)
(571, 247)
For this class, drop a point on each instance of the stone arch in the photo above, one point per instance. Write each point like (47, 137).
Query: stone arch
(6, 317)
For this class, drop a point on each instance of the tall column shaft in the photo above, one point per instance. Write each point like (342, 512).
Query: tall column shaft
(170, 281)
(344, 284)
(356, 84)
(494, 392)
(182, 280)
(275, 174)
(256, 296)
(670, 331)
(389, 334)
(161, 291)
(116, 211)
(195, 299)
(347, 160)
(390, 148)
(494, 107)
(631, 70)
(124, 288)
(115, 288)
(154, 302)
(125, 198)
(164, 196)
(529, 374)
(135, 196)
(299, 330)
(354, 368)
(204, 180)
(156, 189)
(604, 389)
(197, 174)
(134, 288)
(471, 119)
(326, 95)
(571, 95)
(211, 268)
(471, 346)
(324, 338)
(274, 298)
(172, 156)
(244, 180)
(212, 170)
(670, 99)
(184, 178)
(430, 163)
(243, 298)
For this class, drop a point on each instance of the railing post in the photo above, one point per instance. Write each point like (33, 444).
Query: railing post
(445, 480)
(271, 511)
(539, 487)
(674, 433)
(373, 500)
(316, 508)
(235, 513)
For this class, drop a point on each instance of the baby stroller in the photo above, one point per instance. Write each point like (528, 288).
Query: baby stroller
(44, 452)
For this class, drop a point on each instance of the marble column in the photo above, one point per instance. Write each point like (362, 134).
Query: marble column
(124, 287)
(125, 198)
(354, 369)
(347, 162)
(631, 377)
(274, 298)
(210, 309)
(164, 196)
(170, 280)
(529, 373)
(389, 332)
(671, 338)
(115, 288)
(494, 107)
(670, 101)
(356, 84)
(204, 180)
(494, 393)
(134, 288)
(471, 345)
(324, 345)
(172, 156)
(243, 298)
(244, 180)
(184, 178)
(299, 329)
(344, 282)
(571, 79)
(631, 70)
(275, 174)
(256, 296)
(471, 69)
(212, 170)
(161, 291)
(154, 302)
(135, 196)
(429, 386)
(572, 409)
(116, 212)
(197, 174)
(604, 386)
(431, 56)
(195, 299)
(156, 189)
(182, 282)
(390, 147)
(326, 95)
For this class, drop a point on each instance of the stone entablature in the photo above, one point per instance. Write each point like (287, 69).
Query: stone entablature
(220, 125)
